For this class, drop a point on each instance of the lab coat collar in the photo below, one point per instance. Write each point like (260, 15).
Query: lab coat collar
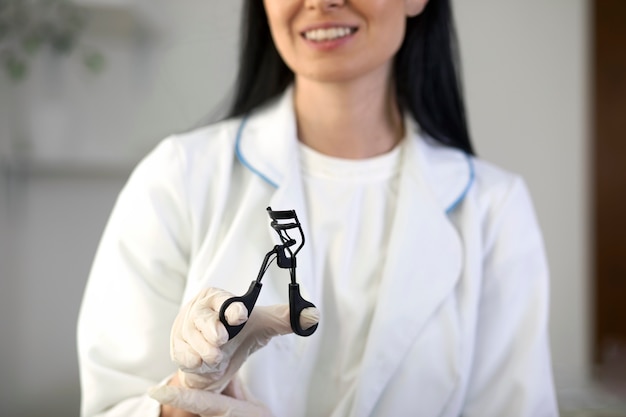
(267, 145)
(267, 140)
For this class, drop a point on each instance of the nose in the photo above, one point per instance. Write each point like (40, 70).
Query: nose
(324, 5)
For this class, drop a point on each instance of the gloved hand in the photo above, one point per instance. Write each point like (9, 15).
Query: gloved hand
(200, 345)
(235, 401)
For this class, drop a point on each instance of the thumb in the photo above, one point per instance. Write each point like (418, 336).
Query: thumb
(309, 317)
(275, 319)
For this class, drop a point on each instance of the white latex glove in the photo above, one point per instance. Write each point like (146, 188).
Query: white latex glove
(199, 341)
(235, 401)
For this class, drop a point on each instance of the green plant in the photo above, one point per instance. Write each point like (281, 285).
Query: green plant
(26, 26)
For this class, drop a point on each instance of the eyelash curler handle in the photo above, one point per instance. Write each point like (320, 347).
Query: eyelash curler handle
(296, 305)
(296, 302)
(248, 299)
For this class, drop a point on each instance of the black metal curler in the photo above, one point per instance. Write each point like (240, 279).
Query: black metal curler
(282, 222)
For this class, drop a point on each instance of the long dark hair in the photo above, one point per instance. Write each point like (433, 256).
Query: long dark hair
(426, 71)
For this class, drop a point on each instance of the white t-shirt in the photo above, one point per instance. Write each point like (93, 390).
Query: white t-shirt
(351, 205)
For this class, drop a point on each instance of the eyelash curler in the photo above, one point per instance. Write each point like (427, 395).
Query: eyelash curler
(285, 257)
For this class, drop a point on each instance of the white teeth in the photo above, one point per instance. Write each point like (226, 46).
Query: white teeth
(320, 35)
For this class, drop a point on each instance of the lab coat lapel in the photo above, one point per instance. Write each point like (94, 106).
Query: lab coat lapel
(422, 267)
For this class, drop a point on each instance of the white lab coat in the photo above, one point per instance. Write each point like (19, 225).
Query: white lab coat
(460, 327)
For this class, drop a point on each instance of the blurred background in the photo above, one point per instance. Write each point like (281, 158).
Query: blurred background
(87, 88)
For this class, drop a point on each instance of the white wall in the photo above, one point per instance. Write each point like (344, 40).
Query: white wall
(169, 64)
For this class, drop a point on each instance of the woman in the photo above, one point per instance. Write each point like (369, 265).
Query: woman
(426, 264)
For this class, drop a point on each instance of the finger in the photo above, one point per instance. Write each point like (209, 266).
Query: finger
(235, 314)
(270, 320)
(208, 323)
(211, 328)
(201, 328)
(184, 355)
(214, 298)
(309, 317)
(206, 347)
(274, 320)
(204, 403)
(181, 352)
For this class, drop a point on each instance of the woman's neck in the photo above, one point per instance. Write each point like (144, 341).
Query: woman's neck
(348, 120)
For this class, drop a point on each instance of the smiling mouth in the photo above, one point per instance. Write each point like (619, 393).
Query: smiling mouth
(328, 34)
